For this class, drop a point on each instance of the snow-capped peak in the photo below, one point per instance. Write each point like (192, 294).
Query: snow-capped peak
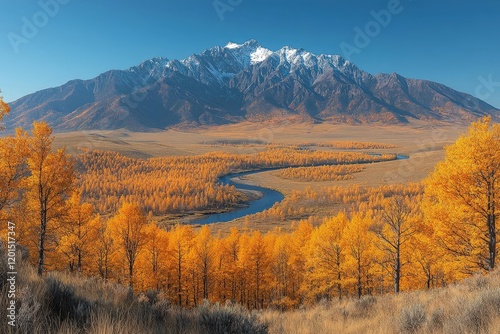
(248, 53)
(232, 45)
(221, 64)
(296, 56)
(259, 55)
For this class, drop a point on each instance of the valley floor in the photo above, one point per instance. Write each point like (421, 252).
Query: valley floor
(423, 142)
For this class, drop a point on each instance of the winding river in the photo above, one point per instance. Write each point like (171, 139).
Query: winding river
(268, 197)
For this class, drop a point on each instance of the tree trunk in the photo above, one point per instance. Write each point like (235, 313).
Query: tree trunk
(360, 283)
(41, 242)
(131, 274)
(492, 244)
(205, 285)
(195, 288)
(179, 278)
(339, 273)
(339, 285)
(79, 265)
(397, 271)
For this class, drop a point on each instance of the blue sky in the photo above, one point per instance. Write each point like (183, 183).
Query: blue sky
(454, 42)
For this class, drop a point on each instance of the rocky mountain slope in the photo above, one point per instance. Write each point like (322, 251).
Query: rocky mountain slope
(244, 82)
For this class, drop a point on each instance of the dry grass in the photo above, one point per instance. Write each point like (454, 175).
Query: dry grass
(253, 137)
(63, 303)
(471, 306)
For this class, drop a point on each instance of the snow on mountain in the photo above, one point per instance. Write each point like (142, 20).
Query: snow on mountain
(237, 82)
(248, 53)
(221, 64)
(260, 55)
(232, 45)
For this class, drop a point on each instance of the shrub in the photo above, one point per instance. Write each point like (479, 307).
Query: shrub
(479, 312)
(235, 319)
(436, 320)
(365, 304)
(29, 311)
(411, 318)
(61, 300)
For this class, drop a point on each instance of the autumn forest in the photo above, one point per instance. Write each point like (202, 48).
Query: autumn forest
(95, 214)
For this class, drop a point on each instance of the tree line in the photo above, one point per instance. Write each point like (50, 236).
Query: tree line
(320, 173)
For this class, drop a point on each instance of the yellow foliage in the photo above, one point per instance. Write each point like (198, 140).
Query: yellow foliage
(387, 238)
(50, 182)
(321, 173)
(350, 145)
(77, 233)
(180, 184)
(129, 232)
(463, 197)
(326, 259)
(4, 108)
(13, 154)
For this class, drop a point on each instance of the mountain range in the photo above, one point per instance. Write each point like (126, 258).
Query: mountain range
(243, 82)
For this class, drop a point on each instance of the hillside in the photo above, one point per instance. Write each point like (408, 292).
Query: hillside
(63, 303)
(247, 82)
(471, 306)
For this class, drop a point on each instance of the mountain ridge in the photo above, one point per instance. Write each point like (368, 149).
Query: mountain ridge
(243, 82)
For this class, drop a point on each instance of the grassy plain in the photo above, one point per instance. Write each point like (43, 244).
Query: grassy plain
(423, 143)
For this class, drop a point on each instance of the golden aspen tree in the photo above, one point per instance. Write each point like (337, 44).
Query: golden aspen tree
(298, 242)
(244, 280)
(229, 263)
(104, 252)
(204, 251)
(326, 258)
(359, 245)
(78, 231)
(193, 276)
(466, 183)
(281, 269)
(226, 270)
(154, 257)
(50, 184)
(394, 229)
(428, 260)
(128, 230)
(181, 241)
(451, 240)
(13, 153)
(255, 259)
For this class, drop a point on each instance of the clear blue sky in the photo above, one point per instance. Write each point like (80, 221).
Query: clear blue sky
(449, 41)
